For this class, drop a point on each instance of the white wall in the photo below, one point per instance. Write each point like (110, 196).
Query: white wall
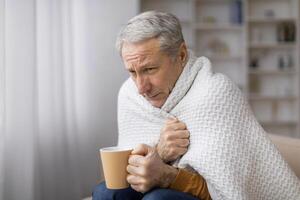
(103, 74)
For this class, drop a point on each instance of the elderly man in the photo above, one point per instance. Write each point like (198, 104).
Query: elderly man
(193, 132)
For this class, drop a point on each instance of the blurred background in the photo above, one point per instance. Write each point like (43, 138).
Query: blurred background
(60, 75)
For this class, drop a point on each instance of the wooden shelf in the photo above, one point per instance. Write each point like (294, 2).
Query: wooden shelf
(272, 72)
(256, 97)
(273, 46)
(217, 27)
(252, 1)
(278, 123)
(224, 58)
(214, 1)
(270, 20)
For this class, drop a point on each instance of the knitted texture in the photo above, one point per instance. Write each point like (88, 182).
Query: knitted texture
(228, 147)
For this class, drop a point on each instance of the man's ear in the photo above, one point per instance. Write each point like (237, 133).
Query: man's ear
(183, 53)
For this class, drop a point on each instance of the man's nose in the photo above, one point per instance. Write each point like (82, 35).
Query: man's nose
(143, 84)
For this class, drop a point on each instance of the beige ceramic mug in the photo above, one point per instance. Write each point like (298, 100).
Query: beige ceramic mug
(114, 163)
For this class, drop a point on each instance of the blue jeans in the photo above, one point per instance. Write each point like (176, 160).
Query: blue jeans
(102, 193)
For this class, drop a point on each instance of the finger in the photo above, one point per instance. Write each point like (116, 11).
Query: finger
(136, 160)
(182, 143)
(133, 170)
(179, 134)
(141, 149)
(133, 180)
(177, 126)
(140, 188)
(136, 187)
(171, 120)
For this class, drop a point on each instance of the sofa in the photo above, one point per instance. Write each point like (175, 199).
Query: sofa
(290, 150)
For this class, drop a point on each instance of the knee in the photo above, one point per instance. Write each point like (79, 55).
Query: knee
(100, 192)
(156, 194)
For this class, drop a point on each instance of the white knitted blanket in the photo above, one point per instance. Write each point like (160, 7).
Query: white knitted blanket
(228, 147)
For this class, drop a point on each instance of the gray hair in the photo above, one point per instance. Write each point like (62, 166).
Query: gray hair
(153, 24)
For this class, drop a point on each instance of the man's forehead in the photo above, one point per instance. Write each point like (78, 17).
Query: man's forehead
(145, 48)
(140, 62)
(141, 55)
(136, 56)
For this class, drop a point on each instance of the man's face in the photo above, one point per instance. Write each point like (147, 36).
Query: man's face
(153, 71)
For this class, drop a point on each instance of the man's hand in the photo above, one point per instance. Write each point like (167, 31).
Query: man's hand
(173, 141)
(147, 170)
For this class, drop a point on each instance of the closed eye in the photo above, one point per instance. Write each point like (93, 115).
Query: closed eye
(132, 72)
(150, 70)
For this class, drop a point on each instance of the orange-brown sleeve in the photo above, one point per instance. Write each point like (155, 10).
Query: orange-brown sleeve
(191, 183)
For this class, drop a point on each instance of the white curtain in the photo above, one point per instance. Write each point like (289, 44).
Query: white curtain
(59, 78)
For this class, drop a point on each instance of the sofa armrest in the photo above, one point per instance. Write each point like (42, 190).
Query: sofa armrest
(289, 149)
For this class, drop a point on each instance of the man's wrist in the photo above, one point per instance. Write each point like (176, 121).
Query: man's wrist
(169, 176)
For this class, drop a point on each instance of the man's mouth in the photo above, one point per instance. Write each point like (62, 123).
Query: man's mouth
(152, 96)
